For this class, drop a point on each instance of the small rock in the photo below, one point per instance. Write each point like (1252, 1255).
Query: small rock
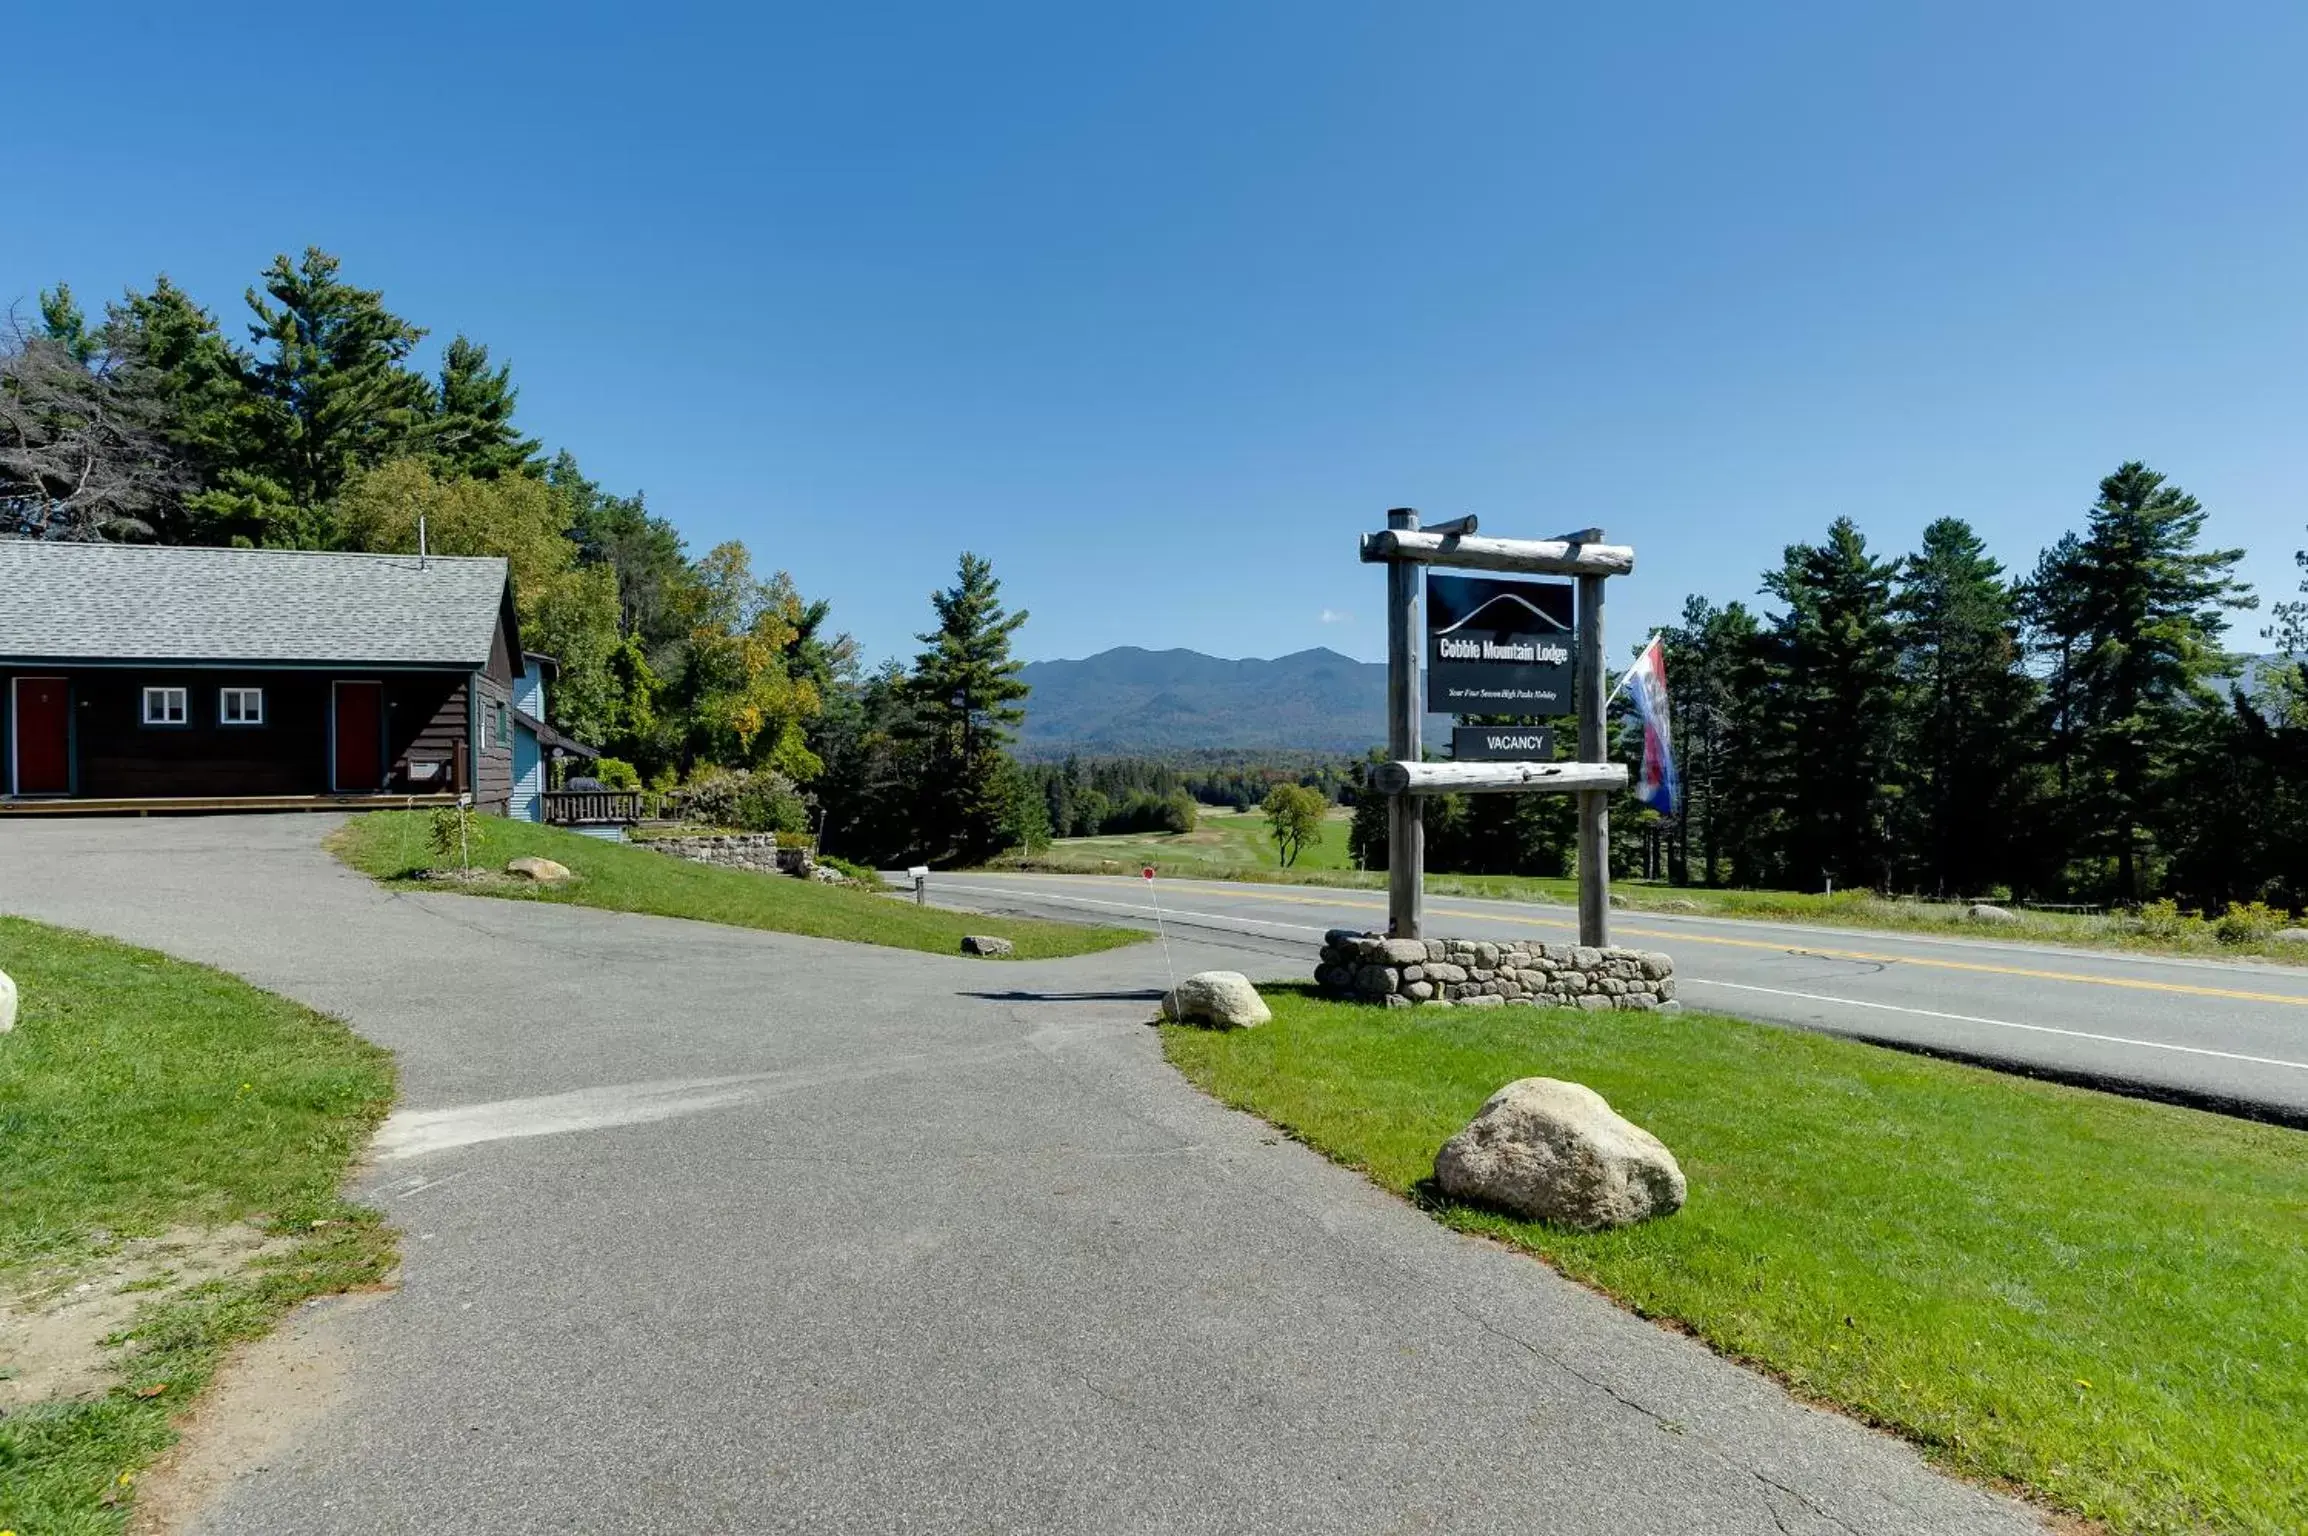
(1981, 912)
(543, 871)
(1401, 951)
(1376, 980)
(7, 1003)
(1548, 1150)
(986, 944)
(1220, 999)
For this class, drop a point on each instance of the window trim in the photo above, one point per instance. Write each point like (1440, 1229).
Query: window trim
(183, 720)
(245, 693)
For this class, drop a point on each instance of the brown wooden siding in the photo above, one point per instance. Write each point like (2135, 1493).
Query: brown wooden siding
(493, 775)
(116, 756)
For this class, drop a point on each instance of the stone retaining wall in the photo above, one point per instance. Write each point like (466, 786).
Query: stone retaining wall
(1486, 973)
(737, 850)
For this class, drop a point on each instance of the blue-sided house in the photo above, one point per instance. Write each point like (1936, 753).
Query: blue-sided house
(536, 745)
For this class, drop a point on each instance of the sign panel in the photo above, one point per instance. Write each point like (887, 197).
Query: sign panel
(1503, 744)
(1499, 647)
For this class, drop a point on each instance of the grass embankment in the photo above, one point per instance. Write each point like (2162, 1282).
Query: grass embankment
(393, 846)
(1227, 846)
(2100, 1300)
(140, 1095)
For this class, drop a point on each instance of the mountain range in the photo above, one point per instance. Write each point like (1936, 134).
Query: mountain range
(1134, 701)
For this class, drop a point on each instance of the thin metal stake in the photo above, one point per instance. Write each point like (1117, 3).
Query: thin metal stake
(1162, 934)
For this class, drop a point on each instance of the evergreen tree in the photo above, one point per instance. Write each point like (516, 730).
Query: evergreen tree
(1831, 739)
(2153, 608)
(1707, 655)
(472, 431)
(1968, 746)
(325, 396)
(966, 695)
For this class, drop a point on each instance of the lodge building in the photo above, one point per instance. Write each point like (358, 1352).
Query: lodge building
(168, 677)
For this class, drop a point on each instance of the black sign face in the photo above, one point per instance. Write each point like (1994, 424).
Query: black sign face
(1503, 744)
(1499, 647)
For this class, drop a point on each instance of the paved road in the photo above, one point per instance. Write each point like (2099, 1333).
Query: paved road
(717, 1231)
(2225, 1034)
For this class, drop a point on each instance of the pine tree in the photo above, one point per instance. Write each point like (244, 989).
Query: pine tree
(966, 697)
(1830, 742)
(1968, 743)
(325, 396)
(471, 431)
(2153, 607)
(1707, 656)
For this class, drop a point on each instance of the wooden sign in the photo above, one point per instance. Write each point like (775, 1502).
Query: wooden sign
(1500, 647)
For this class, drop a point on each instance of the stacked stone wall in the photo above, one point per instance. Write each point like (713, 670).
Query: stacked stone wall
(737, 850)
(1490, 973)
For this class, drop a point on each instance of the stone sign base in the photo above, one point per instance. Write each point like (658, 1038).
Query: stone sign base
(1487, 973)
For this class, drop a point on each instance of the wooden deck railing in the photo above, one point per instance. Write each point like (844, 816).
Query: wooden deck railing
(595, 807)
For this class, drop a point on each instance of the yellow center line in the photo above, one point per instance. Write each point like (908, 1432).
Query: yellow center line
(1681, 937)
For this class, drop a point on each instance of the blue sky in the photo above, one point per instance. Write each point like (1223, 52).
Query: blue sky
(1159, 306)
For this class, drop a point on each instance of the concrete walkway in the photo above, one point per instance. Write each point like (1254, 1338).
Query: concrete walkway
(709, 1230)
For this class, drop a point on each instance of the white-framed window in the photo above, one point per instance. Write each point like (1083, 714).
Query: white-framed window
(166, 706)
(240, 706)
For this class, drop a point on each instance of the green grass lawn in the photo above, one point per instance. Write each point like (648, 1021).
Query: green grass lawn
(140, 1094)
(392, 846)
(2100, 1300)
(1227, 846)
(1222, 845)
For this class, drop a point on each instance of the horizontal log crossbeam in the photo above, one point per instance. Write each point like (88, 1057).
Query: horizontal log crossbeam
(1487, 778)
(1546, 557)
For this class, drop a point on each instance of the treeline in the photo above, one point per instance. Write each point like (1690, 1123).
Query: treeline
(1931, 723)
(1084, 797)
(314, 429)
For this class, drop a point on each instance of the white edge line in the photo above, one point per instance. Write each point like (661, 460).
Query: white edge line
(1966, 1018)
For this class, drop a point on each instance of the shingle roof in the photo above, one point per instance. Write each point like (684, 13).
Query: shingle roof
(143, 602)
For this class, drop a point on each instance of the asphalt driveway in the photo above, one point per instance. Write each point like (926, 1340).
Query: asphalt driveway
(711, 1230)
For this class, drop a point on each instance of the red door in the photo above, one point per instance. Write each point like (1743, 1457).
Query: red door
(357, 759)
(43, 716)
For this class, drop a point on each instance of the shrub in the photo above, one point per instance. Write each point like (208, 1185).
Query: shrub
(849, 871)
(749, 801)
(617, 773)
(447, 834)
(2163, 919)
(2249, 922)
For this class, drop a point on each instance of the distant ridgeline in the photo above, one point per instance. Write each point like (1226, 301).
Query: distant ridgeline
(1162, 703)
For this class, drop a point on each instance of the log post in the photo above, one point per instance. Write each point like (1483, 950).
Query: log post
(1405, 828)
(1594, 804)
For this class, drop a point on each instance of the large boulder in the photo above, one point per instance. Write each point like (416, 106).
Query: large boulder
(1983, 912)
(986, 944)
(1219, 999)
(543, 871)
(1547, 1150)
(7, 1003)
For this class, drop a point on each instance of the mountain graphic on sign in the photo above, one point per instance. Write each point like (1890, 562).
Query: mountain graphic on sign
(1504, 597)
